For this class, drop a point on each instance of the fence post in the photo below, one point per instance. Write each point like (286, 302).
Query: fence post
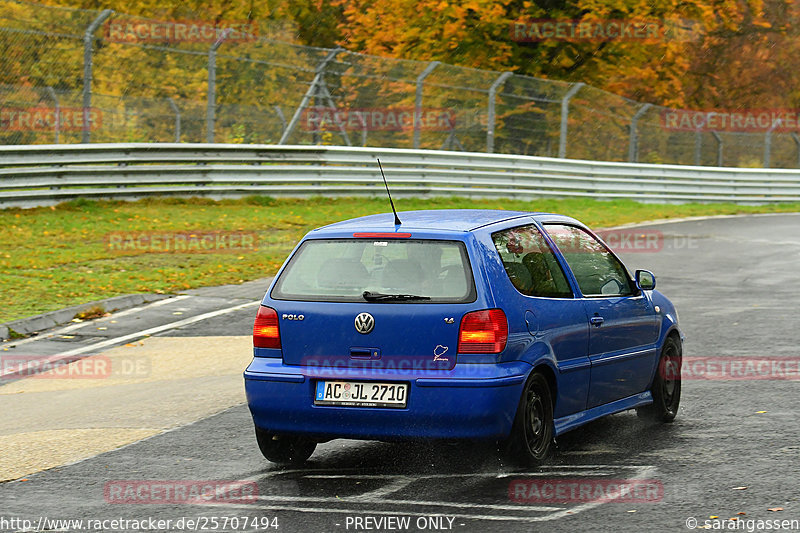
(320, 73)
(491, 118)
(767, 147)
(363, 128)
(768, 142)
(212, 86)
(418, 100)
(797, 144)
(281, 116)
(562, 141)
(57, 105)
(633, 146)
(698, 146)
(177, 112)
(719, 147)
(88, 47)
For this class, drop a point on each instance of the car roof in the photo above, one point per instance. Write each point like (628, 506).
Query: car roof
(433, 219)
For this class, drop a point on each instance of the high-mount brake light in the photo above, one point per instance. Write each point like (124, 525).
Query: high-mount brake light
(266, 333)
(387, 235)
(483, 332)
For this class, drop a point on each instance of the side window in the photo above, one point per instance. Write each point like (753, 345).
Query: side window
(530, 263)
(597, 270)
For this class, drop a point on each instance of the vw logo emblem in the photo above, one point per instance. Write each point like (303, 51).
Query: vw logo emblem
(364, 323)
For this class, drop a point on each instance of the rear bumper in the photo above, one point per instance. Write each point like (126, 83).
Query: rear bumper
(471, 401)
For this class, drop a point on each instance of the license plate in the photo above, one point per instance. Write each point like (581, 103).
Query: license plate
(361, 394)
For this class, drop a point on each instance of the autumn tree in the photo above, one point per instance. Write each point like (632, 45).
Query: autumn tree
(696, 36)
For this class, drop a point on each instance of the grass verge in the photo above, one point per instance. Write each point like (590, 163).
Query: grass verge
(55, 257)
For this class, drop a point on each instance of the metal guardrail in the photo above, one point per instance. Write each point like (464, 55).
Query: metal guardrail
(47, 174)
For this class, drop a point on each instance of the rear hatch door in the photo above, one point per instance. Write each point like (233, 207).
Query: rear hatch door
(373, 302)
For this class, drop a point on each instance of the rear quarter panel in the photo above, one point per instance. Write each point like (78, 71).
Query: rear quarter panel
(541, 328)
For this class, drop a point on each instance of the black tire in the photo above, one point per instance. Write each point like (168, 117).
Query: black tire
(666, 387)
(284, 449)
(531, 439)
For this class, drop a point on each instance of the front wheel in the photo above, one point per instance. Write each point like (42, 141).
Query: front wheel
(666, 388)
(284, 449)
(531, 439)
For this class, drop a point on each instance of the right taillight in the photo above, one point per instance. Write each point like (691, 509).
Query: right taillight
(483, 332)
(265, 329)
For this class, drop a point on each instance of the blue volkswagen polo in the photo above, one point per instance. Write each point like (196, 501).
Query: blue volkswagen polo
(457, 324)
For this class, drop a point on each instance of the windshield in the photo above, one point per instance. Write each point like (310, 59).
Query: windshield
(358, 270)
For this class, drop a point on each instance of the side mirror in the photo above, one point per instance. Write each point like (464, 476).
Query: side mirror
(645, 280)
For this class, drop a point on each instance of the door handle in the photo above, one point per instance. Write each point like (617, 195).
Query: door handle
(596, 321)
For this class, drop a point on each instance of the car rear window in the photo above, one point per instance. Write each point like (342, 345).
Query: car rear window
(341, 270)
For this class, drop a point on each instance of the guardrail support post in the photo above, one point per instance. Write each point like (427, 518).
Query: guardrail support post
(211, 109)
(418, 100)
(88, 48)
(177, 112)
(57, 114)
(719, 147)
(562, 141)
(491, 112)
(633, 146)
(312, 91)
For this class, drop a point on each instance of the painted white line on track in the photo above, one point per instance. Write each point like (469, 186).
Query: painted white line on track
(398, 484)
(415, 503)
(53, 359)
(643, 473)
(557, 471)
(78, 325)
(355, 511)
(157, 329)
(391, 506)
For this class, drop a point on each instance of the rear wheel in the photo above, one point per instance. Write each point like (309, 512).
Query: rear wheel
(666, 387)
(284, 449)
(531, 439)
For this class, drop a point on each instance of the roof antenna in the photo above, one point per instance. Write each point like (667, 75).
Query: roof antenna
(396, 218)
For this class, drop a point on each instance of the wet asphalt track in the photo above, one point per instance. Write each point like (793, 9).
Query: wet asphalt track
(736, 285)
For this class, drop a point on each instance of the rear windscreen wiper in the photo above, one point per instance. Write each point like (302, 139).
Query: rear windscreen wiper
(380, 297)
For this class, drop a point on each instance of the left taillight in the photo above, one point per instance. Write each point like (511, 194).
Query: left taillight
(483, 332)
(266, 333)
